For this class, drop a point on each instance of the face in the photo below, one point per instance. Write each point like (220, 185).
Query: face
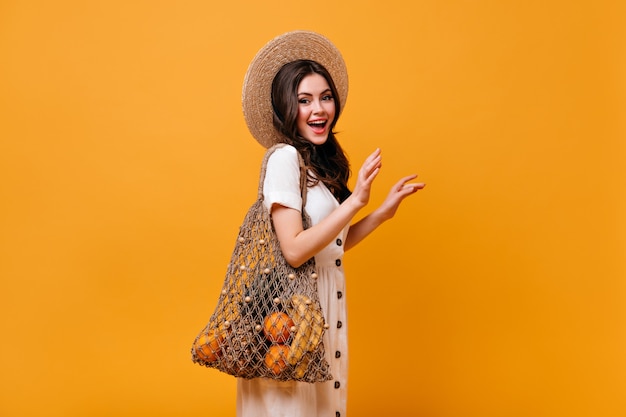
(316, 109)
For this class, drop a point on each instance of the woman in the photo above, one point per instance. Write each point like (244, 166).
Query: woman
(293, 93)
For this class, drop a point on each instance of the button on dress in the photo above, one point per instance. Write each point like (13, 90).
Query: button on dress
(264, 397)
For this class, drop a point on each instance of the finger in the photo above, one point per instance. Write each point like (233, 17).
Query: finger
(373, 157)
(407, 189)
(369, 167)
(376, 152)
(408, 178)
(404, 180)
(376, 164)
(373, 160)
(415, 186)
(369, 179)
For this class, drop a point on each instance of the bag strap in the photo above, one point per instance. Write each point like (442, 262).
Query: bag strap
(303, 173)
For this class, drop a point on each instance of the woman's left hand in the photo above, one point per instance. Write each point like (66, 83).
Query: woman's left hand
(400, 190)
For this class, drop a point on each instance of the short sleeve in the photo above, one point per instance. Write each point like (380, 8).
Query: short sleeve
(282, 179)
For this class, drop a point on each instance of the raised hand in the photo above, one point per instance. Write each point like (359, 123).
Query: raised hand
(399, 191)
(367, 173)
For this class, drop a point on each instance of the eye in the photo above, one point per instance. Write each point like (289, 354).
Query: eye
(303, 100)
(327, 97)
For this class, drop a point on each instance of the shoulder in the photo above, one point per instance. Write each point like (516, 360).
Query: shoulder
(282, 150)
(282, 178)
(282, 155)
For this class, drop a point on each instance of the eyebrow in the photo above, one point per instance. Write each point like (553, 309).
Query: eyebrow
(328, 90)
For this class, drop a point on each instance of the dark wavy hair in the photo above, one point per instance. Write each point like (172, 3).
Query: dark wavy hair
(327, 162)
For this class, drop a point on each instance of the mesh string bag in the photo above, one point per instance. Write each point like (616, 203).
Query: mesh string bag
(268, 321)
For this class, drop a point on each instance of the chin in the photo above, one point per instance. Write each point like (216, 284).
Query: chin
(318, 140)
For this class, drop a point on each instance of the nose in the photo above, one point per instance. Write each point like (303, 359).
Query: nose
(317, 107)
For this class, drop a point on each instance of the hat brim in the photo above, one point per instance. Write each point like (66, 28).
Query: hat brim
(291, 46)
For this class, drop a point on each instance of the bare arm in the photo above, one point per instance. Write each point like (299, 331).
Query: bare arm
(299, 245)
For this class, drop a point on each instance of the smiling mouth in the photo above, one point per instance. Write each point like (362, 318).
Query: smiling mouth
(318, 125)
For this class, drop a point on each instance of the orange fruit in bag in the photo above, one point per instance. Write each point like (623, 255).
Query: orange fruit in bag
(207, 346)
(277, 327)
(276, 358)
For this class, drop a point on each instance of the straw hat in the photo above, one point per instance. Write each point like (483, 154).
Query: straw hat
(257, 84)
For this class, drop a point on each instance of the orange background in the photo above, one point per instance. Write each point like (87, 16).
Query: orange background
(126, 167)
